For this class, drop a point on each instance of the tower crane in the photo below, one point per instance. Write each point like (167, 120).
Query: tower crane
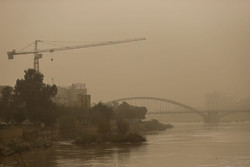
(38, 52)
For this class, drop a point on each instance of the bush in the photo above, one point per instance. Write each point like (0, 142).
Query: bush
(122, 127)
(68, 125)
(103, 125)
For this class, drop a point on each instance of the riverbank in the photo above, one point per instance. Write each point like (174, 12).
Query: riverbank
(17, 139)
(110, 138)
(23, 145)
(122, 132)
(154, 125)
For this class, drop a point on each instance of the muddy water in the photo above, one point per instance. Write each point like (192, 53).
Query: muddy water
(186, 145)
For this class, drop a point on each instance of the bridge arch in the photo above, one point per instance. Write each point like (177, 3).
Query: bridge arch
(162, 100)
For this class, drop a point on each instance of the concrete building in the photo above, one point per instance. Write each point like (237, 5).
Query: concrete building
(74, 95)
(84, 102)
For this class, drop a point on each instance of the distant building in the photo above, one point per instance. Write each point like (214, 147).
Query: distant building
(74, 95)
(84, 102)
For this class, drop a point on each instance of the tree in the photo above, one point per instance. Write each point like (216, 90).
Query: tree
(126, 111)
(122, 127)
(6, 100)
(36, 96)
(101, 115)
(19, 115)
(103, 111)
(7, 95)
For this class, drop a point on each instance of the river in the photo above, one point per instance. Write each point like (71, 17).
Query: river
(186, 145)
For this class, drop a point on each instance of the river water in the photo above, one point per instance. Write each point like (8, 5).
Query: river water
(186, 145)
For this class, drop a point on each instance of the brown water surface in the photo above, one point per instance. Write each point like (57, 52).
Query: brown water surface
(186, 145)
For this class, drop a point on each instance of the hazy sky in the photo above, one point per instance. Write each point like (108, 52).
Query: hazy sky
(193, 47)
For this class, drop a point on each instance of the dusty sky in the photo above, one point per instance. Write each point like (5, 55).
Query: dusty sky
(193, 47)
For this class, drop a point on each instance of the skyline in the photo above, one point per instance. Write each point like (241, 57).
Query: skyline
(192, 48)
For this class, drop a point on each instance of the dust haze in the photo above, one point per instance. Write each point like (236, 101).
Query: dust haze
(193, 47)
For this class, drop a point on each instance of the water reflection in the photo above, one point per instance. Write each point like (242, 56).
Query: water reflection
(66, 154)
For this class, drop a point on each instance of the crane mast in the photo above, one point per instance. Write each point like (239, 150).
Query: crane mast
(38, 55)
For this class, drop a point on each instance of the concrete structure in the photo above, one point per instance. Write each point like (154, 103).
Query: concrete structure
(74, 95)
(84, 102)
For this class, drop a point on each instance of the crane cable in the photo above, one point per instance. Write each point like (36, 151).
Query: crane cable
(64, 41)
(26, 46)
(48, 43)
(53, 44)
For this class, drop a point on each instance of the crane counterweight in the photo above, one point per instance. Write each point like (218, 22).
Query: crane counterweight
(11, 54)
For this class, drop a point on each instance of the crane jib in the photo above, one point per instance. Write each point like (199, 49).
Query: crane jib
(13, 52)
(38, 56)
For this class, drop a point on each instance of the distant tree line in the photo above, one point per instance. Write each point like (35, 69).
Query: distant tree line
(31, 99)
(100, 116)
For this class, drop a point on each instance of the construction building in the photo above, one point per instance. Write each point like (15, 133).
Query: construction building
(74, 95)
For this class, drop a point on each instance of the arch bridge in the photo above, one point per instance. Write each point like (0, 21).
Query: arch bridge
(157, 105)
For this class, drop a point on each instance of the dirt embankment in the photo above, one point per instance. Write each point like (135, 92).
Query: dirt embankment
(10, 134)
(14, 139)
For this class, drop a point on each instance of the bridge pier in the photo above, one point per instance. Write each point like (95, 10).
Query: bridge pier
(212, 117)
